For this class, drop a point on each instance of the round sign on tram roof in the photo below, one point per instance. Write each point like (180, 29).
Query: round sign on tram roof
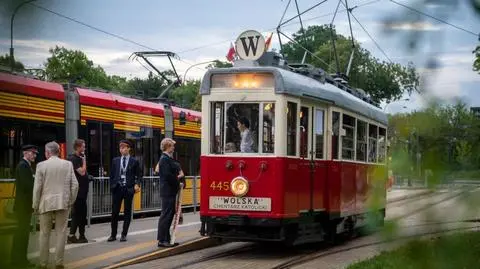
(250, 45)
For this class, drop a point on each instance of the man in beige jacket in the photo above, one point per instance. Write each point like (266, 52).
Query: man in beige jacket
(54, 193)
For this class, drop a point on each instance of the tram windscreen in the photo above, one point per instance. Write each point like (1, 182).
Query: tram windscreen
(245, 127)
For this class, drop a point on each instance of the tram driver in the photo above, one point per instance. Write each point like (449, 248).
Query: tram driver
(246, 143)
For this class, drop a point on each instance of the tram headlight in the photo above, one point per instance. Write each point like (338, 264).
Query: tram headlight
(239, 186)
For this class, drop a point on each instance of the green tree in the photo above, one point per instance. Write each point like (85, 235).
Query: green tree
(74, 66)
(5, 62)
(187, 95)
(147, 88)
(382, 80)
(476, 62)
(219, 64)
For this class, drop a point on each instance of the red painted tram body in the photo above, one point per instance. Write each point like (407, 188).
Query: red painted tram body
(317, 164)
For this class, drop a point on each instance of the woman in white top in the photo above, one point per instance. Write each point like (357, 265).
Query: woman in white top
(246, 144)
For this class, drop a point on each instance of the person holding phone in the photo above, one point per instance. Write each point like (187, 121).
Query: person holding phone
(79, 210)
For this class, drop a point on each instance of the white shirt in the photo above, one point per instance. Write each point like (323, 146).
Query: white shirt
(123, 170)
(247, 142)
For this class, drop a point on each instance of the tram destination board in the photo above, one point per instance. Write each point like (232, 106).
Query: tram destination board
(240, 203)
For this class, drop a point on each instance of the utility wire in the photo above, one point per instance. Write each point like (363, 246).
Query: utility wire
(102, 31)
(435, 18)
(275, 28)
(370, 36)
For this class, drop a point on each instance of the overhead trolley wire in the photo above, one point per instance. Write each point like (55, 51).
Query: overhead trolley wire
(369, 35)
(275, 28)
(102, 31)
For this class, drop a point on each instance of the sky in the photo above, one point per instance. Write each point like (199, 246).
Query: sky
(200, 31)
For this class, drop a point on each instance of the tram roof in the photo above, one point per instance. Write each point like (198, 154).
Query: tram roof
(291, 83)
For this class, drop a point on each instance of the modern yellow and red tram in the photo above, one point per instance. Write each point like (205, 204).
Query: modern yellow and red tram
(317, 163)
(36, 112)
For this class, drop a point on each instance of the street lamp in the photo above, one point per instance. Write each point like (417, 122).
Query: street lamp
(401, 100)
(186, 71)
(12, 59)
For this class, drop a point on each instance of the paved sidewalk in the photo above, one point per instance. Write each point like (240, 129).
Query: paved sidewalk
(141, 239)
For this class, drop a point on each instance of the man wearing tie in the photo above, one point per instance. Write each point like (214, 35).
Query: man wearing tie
(125, 177)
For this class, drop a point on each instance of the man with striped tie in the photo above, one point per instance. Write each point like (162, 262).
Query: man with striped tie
(125, 177)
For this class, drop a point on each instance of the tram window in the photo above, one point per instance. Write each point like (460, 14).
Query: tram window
(241, 127)
(304, 132)
(348, 142)
(361, 141)
(335, 134)
(372, 143)
(381, 144)
(291, 129)
(268, 127)
(13, 135)
(319, 119)
(216, 128)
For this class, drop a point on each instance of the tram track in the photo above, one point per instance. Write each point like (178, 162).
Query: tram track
(309, 253)
(308, 257)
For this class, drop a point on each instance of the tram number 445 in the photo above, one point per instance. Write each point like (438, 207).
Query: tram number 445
(220, 186)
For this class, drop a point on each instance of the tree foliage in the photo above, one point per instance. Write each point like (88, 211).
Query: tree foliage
(446, 136)
(476, 62)
(74, 66)
(382, 80)
(219, 64)
(5, 62)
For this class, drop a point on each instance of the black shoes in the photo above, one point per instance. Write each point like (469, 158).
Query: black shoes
(82, 240)
(123, 238)
(72, 239)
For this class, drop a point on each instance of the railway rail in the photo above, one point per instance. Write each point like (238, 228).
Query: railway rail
(308, 252)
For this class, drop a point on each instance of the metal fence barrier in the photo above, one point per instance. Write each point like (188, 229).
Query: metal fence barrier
(147, 200)
(99, 200)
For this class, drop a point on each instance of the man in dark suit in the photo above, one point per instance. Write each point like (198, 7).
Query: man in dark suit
(125, 177)
(23, 206)
(170, 174)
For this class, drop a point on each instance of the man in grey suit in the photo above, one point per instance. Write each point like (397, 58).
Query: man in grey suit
(54, 193)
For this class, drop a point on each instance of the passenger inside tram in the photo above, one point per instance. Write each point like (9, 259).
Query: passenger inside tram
(242, 128)
(246, 143)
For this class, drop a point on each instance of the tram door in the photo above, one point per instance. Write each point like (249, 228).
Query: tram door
(99, 148)
(311, 151)
(306, 157)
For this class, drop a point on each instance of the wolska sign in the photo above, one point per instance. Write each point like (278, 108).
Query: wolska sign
(250, 45)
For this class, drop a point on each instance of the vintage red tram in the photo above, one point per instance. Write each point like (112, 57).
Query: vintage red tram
(308, 164)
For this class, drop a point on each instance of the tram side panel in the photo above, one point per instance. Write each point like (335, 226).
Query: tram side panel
(333, 189)
(353, 188)
(320, 190)
(348, 188)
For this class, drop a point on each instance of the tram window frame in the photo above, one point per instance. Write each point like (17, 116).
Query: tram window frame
(257, 126)
(268, 137)
(304, 131)
(319, 143)
(379, 143)
(371, 131)
(335, 146)
(360, 141)
(291, 132)
(217, 140)
(254, 129)
(349, 127)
